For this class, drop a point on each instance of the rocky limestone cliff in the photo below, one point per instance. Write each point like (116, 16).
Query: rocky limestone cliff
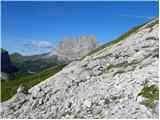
(119, 81)
(74, 48)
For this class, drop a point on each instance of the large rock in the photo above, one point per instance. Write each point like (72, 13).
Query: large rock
(74, 48)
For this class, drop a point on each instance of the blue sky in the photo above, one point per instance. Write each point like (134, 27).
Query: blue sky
(36, 27)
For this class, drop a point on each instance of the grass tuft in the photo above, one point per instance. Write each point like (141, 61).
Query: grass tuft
(156, 56)
(66, 113)
(23, 102)
(151, 93)
(152, 24)
(151, 38)
(148, 103)
(115, 97)
(108, 55)
(107, 101)
(123, 64)
(119, 72)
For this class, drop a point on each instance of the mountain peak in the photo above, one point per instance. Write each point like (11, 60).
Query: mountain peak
(74, 48)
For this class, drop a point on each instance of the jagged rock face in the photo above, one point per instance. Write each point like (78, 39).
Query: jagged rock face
(6, 65)
(74, 48)
(108, 84)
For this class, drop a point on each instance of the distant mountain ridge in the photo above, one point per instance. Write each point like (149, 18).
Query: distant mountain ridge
(17, 57)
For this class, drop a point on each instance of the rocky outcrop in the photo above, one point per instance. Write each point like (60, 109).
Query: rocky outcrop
(119, 81)
(74, 48)
(6, 64)
(4, 76)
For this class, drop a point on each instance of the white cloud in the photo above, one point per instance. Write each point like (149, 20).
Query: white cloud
(34, 44)
(136, 16)
(42, 44)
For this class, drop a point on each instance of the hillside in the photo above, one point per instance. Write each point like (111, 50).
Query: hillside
(17, 57)
(34, 63)
(118, 80)
(10, 87)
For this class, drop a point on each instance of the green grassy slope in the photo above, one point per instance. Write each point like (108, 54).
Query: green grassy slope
(9, 88)
(32, 64)
(36, 65)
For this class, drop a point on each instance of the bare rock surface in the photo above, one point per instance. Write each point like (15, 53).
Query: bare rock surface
(111, 83)
(4, 76)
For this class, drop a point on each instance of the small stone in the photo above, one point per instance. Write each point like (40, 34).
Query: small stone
(34, 105)
(87, 103)
(97, 110)
(41, 102)
(101, 102)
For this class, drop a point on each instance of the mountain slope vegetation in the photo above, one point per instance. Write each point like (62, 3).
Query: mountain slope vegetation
(33, 64)
(9, 88)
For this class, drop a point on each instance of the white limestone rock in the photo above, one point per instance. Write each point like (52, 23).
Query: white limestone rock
(87, 103)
